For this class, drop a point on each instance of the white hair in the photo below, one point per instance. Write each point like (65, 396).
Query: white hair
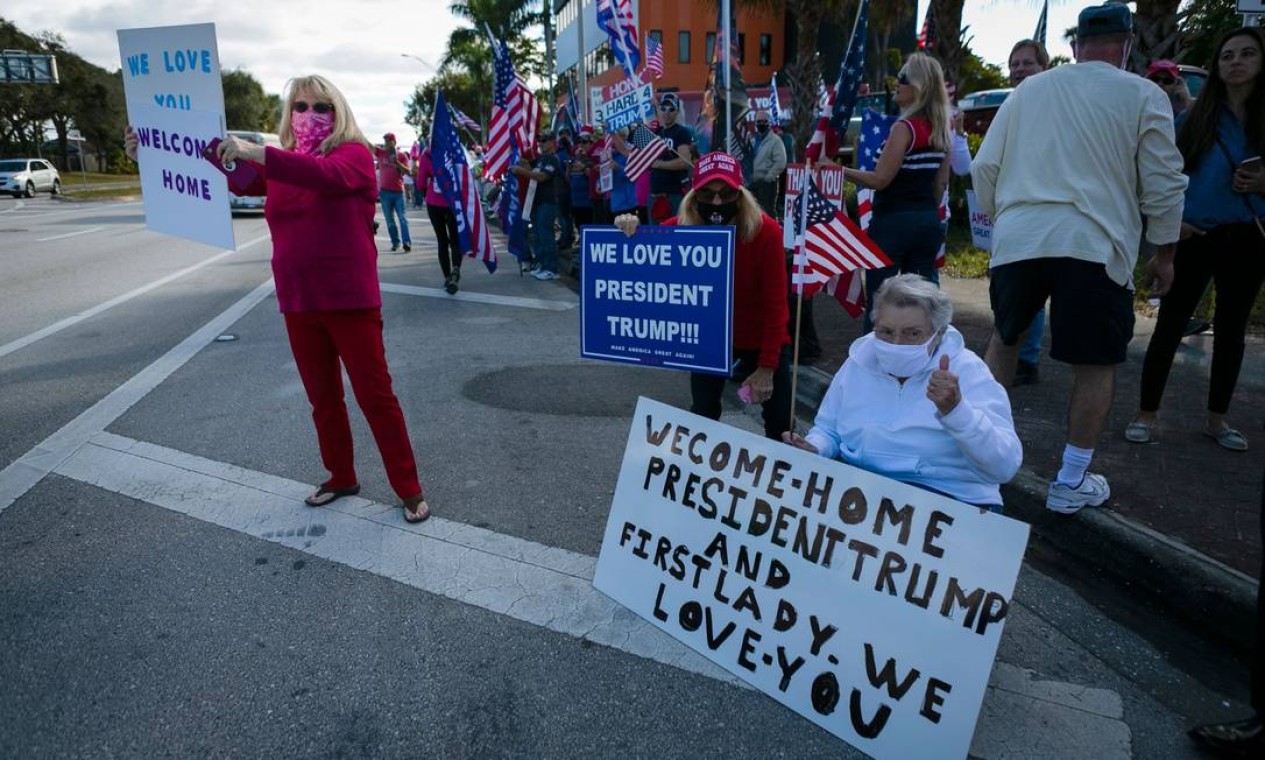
(915, 290)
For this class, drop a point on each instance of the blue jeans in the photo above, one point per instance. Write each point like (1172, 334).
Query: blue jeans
(392, 204)
(910, 239)
(1030, 351)
(543, 217)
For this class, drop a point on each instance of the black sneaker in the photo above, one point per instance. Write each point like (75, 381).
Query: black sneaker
(450, 284)
(1244, 738)
(407, 247)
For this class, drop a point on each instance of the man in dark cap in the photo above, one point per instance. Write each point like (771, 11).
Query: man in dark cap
(551, 183)
(671, 173)
(1066, 224)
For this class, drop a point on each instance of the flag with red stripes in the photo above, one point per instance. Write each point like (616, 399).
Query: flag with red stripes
(515, 115)
(646, 148)
(833, 243)
(654, 61)
(456, 182)
(927, 36)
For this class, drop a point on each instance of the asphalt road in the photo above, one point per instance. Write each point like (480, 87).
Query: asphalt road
(162, 593)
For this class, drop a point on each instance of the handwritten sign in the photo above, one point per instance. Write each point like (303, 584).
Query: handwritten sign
(870, 607)
(176, 67)
(981, 224)
(829, 180)
(661, 298)
(185, 195)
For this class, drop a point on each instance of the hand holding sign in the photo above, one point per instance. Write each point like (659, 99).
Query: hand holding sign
(943, 388)
(799, 442)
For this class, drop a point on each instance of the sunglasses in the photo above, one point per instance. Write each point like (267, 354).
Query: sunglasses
(725, 195)
(301, 106)
(1163, 80)
(668, 109)
(902, 78)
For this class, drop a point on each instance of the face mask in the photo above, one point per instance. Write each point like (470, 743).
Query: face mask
(310, 129)
(902, 361)
(718, 213)
(762, 128)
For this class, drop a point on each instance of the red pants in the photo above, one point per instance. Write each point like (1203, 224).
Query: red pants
(319, 340)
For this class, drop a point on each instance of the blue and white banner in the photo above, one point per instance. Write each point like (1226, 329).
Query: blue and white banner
(625, 110)
(661, 298)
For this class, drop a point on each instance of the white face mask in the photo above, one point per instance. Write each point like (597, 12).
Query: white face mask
(903, 361)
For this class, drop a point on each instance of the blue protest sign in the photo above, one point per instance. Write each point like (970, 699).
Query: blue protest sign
(661, 298)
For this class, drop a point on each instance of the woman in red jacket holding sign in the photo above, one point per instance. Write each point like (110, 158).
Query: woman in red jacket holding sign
(760, 313)
(321, 195)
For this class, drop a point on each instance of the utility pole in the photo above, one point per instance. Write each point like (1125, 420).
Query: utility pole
(550, 61)
(583, 67)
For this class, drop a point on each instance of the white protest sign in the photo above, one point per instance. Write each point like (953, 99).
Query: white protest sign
(870, 607)
(637, 104)
(829, 181)
(595, 104)
(185, 195)
(171, 80)
(981, 224)
(175, 67)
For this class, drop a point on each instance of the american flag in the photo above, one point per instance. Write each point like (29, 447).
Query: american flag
(851, 72)
(464, 120)
(927, 37)
(456, 181)
(874, 130)
(510, 211)
(616, 19)
(515, 114)
(646, 147)
(1039, 34)
(654, 61)
(833, 244)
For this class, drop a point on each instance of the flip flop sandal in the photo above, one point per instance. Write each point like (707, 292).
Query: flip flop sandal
(1228, 438)
(1138, 432)
(325, 495)
(416, 512)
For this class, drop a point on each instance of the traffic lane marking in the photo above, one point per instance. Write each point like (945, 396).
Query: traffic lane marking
(69, 235)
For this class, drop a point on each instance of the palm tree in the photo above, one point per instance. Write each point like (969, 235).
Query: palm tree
(948, 48)
(1156, 33)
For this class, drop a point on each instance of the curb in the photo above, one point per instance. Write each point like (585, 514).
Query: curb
(1177, 577)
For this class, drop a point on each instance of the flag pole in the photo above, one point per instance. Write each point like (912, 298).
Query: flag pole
(729, 46)
(800, 262)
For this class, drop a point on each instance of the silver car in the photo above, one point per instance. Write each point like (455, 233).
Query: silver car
(27, 176)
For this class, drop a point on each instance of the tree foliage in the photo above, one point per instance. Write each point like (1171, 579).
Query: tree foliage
(246, 105)
(1202, 24)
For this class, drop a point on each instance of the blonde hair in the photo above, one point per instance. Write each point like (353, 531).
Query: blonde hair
(345, 128)
(748, 220)
(931, 102)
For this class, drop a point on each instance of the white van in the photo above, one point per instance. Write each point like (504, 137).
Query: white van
(251, 202)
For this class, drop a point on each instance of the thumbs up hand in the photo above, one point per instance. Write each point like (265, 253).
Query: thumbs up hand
(943, 388)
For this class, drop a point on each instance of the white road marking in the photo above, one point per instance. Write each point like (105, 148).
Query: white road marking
(58, 326)
(17, 205)
(546, 304)
(35, 212)
(545, 586)
(20, 476)
(68, 235)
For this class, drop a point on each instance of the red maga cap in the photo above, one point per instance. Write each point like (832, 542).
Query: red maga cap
(718, 165)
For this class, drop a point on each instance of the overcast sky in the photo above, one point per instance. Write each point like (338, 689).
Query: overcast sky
(359, 45)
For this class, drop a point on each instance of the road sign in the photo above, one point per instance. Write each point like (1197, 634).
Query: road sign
(21, 67)
(1251, 6)
(73, 134)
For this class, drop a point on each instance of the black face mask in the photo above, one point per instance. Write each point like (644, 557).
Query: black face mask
(762, 128)
(718, 213)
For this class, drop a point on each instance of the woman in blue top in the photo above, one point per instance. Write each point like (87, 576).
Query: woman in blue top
(1222, 237)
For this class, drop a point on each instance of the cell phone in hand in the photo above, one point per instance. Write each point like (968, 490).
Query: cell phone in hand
(240, 173)
(1252, 164)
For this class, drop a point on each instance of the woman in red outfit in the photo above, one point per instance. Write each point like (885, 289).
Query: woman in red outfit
(760, 313)
(321, 194)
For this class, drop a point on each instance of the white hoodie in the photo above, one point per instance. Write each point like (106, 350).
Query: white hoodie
(870, 420)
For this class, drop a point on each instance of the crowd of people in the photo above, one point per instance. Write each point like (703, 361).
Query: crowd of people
(1085, 170)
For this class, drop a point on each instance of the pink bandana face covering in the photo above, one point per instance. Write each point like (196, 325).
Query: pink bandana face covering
(310, 129)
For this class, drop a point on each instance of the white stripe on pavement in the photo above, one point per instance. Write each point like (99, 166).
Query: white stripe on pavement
(57, 327)
(541, 585)
(68, 235)
(20, 476)
(547, 304)
(545, 586)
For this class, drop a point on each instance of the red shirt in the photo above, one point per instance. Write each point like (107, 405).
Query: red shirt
(389, 176)
(760, 304)
(320, 213)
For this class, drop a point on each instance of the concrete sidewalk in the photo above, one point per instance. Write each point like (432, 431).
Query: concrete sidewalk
(1182, 524)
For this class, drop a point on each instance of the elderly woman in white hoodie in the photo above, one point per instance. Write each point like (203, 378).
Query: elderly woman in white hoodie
(913, 403)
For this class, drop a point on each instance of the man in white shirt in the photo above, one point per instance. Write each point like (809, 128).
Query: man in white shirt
(1066, 164)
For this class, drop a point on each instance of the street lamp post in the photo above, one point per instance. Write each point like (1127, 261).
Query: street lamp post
(420, 60)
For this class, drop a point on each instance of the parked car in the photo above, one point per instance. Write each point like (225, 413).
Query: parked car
(28, 176)
(1195, 78)
(979, 108)
(252, 202)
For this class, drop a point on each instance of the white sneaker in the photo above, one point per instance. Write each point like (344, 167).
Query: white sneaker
(545, 274)
(1092, 492)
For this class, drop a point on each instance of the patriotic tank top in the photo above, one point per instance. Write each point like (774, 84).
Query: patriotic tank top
(914, 186)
